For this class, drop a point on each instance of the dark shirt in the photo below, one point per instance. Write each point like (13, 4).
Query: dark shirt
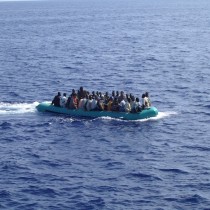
(82, 94)
(56, 101)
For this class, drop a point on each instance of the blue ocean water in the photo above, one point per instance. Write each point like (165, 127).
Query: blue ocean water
(50, 161)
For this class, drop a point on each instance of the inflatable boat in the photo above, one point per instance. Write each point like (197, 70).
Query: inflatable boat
(144, 114)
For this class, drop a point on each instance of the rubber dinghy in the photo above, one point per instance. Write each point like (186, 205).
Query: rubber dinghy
(144, 114)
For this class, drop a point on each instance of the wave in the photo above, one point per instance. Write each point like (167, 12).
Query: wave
(17, 108)
(144, 176)
(174, 170)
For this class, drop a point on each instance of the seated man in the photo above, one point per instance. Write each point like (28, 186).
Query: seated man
(93, 104)
(56, 100)
(88, 105)
(81, 93)
(109, 105)
(147, 99)
(82, 103)
(128, 105)
(74, 101)
(115, 105)
(63, 100)
(137, 106)
(122, 106)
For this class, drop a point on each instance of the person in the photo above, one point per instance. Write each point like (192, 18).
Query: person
(122, 106)
(148, 99)
(121, 97)
(100, 105)
(63, 100)
(89, 103)
(99, 95)
(113, 94)
(94, 104)
(126, 97)
(109, 105)
(115, 105)
(117, 94)
(133, 104)
(73, 92)
(74, 101)
(82, 102)
(93, 94)
(56, 100)
(68, 102)
(81, 93)
(128, 105)
(137, 105)
(106, 100)
(144, 102)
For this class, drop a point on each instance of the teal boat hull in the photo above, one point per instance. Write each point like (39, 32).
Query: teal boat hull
(144, 114)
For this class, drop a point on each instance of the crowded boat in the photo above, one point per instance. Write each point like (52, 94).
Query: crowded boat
(117, 101)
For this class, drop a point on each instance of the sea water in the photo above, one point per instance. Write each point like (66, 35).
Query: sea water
(50, 161)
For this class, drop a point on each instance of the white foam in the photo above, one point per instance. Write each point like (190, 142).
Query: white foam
(165, 114)
(109, 118)
(159, 116)
(17, 108)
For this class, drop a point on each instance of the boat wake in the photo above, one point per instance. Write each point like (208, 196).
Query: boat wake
(165, 114)
(160, 115)
(17, 108)
(22, 108)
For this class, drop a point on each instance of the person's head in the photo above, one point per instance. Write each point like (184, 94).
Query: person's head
(113, 93)
(64, 94)
(143, 96)
(117, 93)
(137, 99)
(59, 93)
(90, 97)
(107, 94)
(73, 91)
(147, 94)
(122, 93)
(132, 98)
(81, 89)
(102, 97)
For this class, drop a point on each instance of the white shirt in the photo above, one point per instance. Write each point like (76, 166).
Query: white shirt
(122, 103)
(82, 103)
(127, 107)
(89, 103)
(63, 101)
(93, 104)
